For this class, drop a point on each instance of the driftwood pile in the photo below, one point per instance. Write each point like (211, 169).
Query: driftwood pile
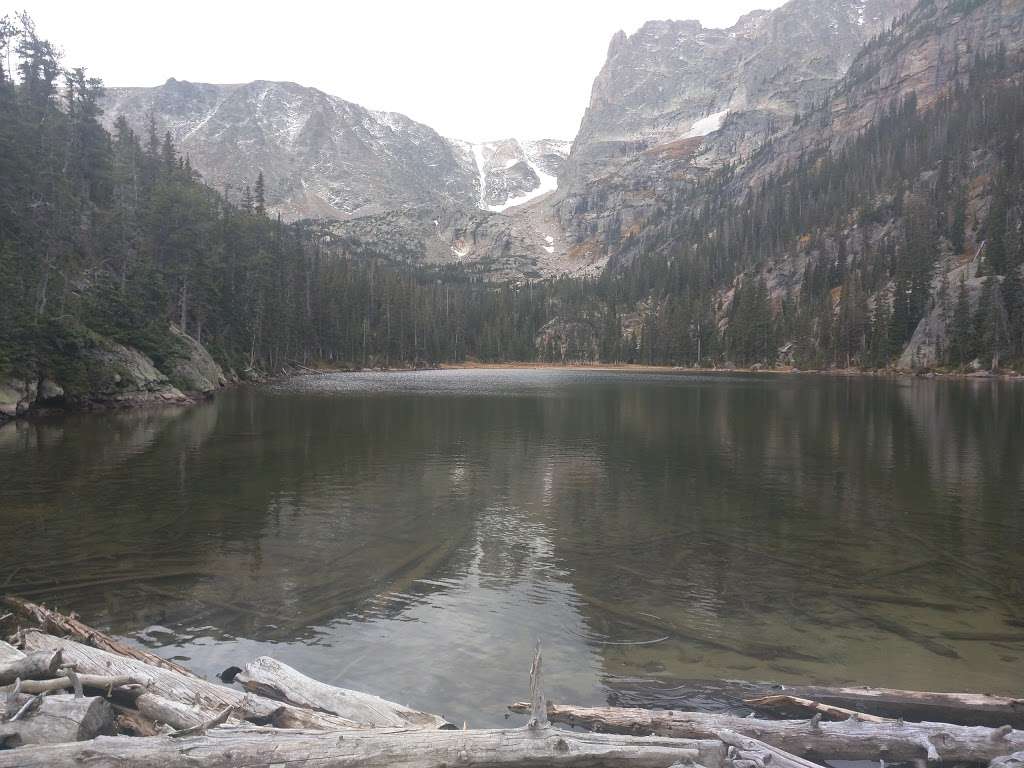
(71, 695)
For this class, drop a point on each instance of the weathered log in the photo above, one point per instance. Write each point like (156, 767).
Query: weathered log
(275, 680)
(69, 626)
(832, 712)
(130, 721)
(247, 746)
(746, 752)
(57, 719)
(729, 696)
(203, 727)
(1016, 760)
(157, 709)
(32, 666)
(9, 653)
(204, 698)
(852, 739)
(538, 699)
(962, 708)
(97, 682)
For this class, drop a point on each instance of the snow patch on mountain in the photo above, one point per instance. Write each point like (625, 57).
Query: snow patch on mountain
(706, 125)
(548, 183)
(478, 156)
(512, 172)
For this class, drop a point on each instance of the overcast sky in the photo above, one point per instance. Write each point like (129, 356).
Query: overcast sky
(476, 70)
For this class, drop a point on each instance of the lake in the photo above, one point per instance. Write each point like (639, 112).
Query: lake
(414, 534)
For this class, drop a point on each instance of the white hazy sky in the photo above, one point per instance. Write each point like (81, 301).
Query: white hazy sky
(478, 70)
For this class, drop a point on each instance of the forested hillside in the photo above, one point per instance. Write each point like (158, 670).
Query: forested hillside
(115, 237)
(900, 243)
(838, 259)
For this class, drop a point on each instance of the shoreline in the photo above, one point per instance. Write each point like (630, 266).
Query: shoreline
(703, 370)
(196, 398)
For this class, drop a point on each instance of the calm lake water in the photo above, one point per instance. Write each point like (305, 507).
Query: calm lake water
(413, 534)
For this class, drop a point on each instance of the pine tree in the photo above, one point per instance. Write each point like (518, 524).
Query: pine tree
(882, 346)
(260, 203)
(991, 322)
(957, 230)
(995, 231)
(1013, 295)
(168, 155)
(960, 348)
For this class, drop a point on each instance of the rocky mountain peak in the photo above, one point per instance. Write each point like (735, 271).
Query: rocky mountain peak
(657, 82)
(676, 98)
(321, 156)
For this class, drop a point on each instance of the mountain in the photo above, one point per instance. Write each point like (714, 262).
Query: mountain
(675, 99)
(881, 224)
(324, 157)
(842, 204)
(321, 156)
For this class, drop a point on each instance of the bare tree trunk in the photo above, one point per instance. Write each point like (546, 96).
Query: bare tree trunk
(851, 739)
(230, 747)
(52, 621)
(962, 708)
(55, 720)
(31, 667)
(203, 698)
(9, 653)
(270, 678)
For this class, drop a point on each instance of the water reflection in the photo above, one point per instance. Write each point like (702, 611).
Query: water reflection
(413, 534)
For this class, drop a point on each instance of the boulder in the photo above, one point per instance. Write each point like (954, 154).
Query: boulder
(194, 369)
(16, 397)
(50, 391)
(109, 373)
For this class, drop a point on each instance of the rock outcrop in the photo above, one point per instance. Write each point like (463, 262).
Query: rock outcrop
(522, 243)
(676, 100)
(102, 373)
(194, 370)
(17, 396)
(111, 374)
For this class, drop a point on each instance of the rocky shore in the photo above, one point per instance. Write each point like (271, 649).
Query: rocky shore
(108, 374)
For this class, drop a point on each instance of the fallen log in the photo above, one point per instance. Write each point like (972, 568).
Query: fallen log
(273, 679)
(232, 746)
(129, 721)
(782, 700)
(730, 695)
(68, 626)
(159, 710)
(962, 708)
(1016, 760)
(32, 666)
(746, 752)
(9, 653)
(851, 739)
(204, 699)
(98, 682)
(55, 720)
